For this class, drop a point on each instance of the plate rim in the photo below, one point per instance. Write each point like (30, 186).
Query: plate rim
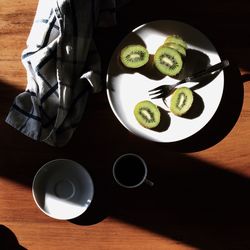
(108, 92)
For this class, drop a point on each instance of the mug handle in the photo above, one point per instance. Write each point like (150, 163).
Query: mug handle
(149, 182)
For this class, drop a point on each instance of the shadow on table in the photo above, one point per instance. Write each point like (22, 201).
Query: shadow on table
(188, 185)
(8, 240)
(99, 208)
(245, 78)
(192, 202)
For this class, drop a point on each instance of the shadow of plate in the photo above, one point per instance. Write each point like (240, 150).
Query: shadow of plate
(224, 118)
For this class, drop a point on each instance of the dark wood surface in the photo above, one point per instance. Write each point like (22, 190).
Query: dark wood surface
(201, 195)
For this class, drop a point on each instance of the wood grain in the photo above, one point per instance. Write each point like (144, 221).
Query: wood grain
(201, 196)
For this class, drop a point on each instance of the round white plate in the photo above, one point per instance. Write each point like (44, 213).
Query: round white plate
(125, 88)
(62, 189)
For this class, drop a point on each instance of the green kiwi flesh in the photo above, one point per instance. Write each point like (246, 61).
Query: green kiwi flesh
(134, 56)
(176, 39)
(168, 61)
(181, 101)
(147, 114)
(177, 47)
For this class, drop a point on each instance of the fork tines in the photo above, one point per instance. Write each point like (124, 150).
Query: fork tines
(158, 92)
(155, 89)
(155, 92)
(161, 95)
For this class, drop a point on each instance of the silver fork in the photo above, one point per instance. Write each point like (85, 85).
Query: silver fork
(165, 90)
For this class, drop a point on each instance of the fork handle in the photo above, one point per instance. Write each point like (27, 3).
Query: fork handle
(204, 72)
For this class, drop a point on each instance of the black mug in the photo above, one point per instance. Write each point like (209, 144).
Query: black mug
(130, 171)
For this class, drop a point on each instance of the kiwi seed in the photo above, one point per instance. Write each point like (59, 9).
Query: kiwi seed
(181, 101)
(134, 56)
(147, 114)
(168, 61)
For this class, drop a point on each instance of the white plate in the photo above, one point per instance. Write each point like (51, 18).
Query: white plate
(125, 88)
(62, 189)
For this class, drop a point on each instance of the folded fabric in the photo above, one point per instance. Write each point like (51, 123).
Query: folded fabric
(62, 66)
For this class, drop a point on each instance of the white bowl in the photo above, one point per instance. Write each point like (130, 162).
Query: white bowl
(63, 189)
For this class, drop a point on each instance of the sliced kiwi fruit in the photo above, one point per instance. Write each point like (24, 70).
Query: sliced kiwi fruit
(181, 101)
(177, 47)
(134, 56)
(177, 40)
(147, 114)
(168, 61)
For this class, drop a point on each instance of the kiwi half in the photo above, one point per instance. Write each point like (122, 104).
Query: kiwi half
(168, 61)
(177, 47)
(181, 101)
(177, 40)
(134, 56)
(147, 114)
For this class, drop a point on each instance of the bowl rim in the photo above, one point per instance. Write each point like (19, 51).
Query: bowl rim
(84, 208)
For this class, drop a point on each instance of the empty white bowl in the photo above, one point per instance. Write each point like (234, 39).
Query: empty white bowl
(63, 189)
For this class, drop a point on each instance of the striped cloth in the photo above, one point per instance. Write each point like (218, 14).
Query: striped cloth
(63, 68)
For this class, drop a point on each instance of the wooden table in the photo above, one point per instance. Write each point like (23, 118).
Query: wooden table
(202, 191)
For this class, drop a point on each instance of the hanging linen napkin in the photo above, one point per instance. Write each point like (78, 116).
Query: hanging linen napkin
(62, 66)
